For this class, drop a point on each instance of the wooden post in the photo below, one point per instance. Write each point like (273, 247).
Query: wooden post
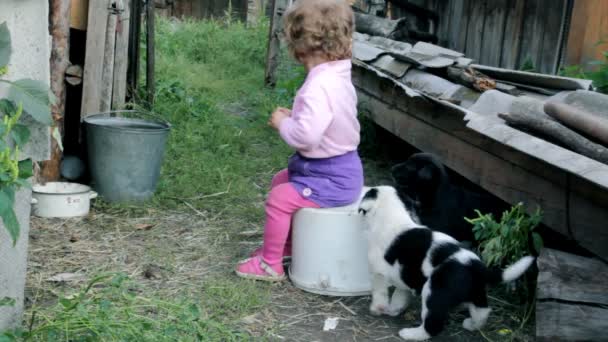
(119, 90)
(134, 34)
(107, 76)
(150, 52)
(93, 65)
(274, 46)
(60, 31)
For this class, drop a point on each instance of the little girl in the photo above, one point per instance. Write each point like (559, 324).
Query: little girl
(325, 171)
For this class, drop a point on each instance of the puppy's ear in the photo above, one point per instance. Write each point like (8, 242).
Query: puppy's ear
(426, 173)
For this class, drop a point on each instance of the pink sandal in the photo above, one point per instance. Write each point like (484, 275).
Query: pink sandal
(258, 269)
(258, 253)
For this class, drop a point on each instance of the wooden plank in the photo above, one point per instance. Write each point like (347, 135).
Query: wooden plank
(504, 179)
(93, 65)
(274, 46)
(532, 40)
(572, 298)
(475, 29)
(134, 47)
(589, 25)
(588, 216)
(554, 17)
(569, 277)
(78, 14)
(557, 322)
(493, 32)
(579, 212)
(107, 78)
(459, 24)
(198, 9)
(512, 37)
(119, 91)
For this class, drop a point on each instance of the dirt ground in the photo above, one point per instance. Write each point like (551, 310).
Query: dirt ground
(169, 252)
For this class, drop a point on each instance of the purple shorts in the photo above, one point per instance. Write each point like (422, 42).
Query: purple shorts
(328, 182)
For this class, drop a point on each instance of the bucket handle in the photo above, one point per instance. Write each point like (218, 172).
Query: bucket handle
(113, 113)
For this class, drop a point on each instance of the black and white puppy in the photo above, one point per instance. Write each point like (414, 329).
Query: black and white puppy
(413, 258)
(424, 185)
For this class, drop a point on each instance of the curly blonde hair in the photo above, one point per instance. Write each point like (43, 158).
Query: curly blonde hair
(319, 27)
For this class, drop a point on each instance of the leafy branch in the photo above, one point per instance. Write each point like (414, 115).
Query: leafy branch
(24, 96)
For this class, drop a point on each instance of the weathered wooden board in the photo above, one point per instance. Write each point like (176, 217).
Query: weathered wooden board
(573, 278)
(107, 75)
(119, 91)
(274, 43)
(553, 36)
(589, 26)
(556, 322)
(572, 298)
(495, 157)
(78, 14)
(512, 34)
(93, 65)
(493, 32)
(475, 29)
(504, 179)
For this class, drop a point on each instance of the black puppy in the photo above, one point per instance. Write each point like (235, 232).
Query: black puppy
(423, 185)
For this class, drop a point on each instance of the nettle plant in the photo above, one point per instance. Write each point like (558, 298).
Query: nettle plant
(506, 241)
(16, 99)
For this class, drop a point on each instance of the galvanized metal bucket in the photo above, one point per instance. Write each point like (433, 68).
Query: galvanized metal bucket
(125, 154)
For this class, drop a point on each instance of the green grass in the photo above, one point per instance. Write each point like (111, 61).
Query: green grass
(210, 87)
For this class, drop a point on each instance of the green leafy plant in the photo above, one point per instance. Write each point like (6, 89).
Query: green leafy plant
(504, 242)
(23, 95)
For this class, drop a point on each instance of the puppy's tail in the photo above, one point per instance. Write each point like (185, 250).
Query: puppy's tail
(496, 276)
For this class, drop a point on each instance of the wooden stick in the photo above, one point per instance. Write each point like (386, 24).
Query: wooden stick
(557, 131)
(585, 122)
(60, 31)
(471, 78)
(150, 87)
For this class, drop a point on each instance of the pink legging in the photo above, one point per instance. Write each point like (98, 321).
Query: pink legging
(283, 201)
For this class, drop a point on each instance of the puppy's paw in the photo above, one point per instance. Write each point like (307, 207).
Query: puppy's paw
(378, 309)
(468, 324)
(414, 334)
(394, 311)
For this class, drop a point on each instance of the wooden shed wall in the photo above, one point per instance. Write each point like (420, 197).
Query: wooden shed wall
(199, 9)
(504, 33)
(588, 27)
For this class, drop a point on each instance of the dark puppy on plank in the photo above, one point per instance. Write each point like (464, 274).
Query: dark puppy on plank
(424, 186)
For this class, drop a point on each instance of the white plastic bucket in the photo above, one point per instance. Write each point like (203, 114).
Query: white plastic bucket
(61, 199)
(329, 252)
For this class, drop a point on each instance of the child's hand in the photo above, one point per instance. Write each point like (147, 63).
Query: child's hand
(277, 116)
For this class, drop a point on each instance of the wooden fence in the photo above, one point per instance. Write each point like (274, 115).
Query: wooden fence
(199, 9)
(505, 33)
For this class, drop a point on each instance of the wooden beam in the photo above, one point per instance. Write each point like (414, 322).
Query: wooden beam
(93, 65)
(60, 31)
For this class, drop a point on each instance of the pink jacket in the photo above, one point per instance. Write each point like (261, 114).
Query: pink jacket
(323, 120)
